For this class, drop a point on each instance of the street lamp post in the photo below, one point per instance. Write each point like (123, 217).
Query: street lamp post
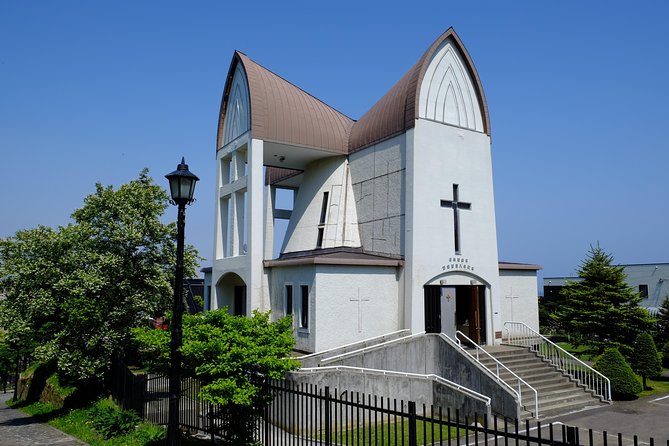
(182, 185)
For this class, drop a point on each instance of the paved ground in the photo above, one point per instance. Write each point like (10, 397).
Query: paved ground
(18, 429)
(645, 417)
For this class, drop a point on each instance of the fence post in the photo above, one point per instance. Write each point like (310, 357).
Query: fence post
(328, 441)
(139, 394)
(212, 429)
(413, 440)
(572, 435)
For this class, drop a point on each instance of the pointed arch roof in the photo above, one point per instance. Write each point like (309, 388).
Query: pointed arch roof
(397, 110)
(283, 113)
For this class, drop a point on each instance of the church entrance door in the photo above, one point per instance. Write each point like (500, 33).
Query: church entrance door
(470, 312)
(465, 313)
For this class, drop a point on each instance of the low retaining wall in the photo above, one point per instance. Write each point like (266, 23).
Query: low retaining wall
(426, 354)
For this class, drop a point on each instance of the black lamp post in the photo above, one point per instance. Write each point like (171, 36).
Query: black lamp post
(182, 185)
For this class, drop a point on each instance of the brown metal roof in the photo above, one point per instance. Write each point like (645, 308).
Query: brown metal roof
(275, 175)
(333, 256)
(281, 112)
(397, 110)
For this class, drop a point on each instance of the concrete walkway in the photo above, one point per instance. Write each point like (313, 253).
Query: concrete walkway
(646, 417)
(19, 429)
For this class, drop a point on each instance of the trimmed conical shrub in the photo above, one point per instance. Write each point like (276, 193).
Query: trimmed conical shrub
(624, 384)
(645, 359)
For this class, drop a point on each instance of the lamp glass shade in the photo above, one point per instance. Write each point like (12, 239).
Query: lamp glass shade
(182, 184)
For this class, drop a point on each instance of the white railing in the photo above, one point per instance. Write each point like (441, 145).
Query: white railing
(499, 366)
(519, 334)
(369, 348)
(455, 386)
(354, 346)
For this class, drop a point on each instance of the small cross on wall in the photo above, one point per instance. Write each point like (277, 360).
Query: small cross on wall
(359, 300)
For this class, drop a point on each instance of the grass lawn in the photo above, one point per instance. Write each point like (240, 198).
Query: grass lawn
(396, 433)
(655, 386)
(580, 352)
(79, 424)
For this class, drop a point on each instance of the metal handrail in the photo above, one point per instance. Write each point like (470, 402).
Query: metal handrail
(455, 386)
(524, 336)
(498, 364)
(369, 348)
(382, 337)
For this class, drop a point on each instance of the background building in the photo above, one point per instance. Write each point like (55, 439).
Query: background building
(648, 279)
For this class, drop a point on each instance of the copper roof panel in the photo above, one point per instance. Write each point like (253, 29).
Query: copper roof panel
(397, 110)
(281, 112)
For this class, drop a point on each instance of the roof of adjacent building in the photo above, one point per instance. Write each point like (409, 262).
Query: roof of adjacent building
(519, 266)
(282, 112)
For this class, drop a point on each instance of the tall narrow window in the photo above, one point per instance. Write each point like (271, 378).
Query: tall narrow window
(324, 208)
(304, 306)
(321, 222)
(319, 240)
(289, 300)
(240, 301)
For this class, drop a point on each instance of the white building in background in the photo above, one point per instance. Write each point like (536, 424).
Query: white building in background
(390, 219)
(650, 280)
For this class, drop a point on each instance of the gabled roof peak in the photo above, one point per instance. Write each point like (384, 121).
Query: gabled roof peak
(397, 110)
(282, 112)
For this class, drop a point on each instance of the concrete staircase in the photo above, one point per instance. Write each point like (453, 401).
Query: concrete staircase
(557, 394)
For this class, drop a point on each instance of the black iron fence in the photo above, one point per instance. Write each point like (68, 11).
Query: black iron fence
(307, 415)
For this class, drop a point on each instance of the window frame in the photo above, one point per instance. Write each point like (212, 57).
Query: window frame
(288, 310)
(303, 314)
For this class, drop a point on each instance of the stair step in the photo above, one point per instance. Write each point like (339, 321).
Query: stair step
(558, 386)
(531, 375)
(529, 362)
(557, 394)
(563, 409)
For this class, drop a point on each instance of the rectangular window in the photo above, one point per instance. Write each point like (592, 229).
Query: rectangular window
(304, 306)
(289, 300)
(321, 222)
(643, 291)
(319, 240)
(324, 208)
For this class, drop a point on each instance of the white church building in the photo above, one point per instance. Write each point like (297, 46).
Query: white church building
(389, 219)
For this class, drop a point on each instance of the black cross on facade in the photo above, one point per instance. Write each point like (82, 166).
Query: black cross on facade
(456, 205)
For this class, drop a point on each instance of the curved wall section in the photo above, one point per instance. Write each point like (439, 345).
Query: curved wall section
(237, 113)
(447, 93)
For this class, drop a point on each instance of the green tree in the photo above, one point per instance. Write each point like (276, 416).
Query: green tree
(76, 291)
(601, 310)
(232, 355)
(612, 364)
(662, 336)
(645, 359)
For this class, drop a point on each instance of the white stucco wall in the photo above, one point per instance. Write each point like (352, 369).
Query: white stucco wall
(245, 263)
(305, 339)
(335, 315)
(438, 156)
(355, 303)
(340, 229)
(519, 298)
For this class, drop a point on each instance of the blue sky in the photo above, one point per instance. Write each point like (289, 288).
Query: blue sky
(578, 92)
